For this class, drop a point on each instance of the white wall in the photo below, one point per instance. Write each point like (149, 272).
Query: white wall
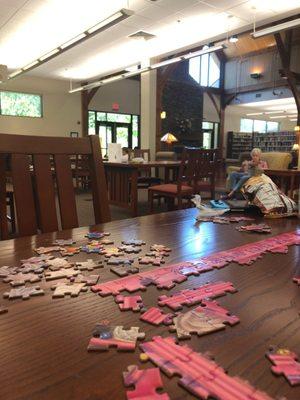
(61, 110)
(125, 92)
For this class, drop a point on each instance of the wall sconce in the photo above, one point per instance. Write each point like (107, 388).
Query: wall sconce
(256, 75)
(297, 128)
(163, 115)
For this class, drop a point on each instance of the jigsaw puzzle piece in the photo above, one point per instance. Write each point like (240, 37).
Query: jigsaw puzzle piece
(130, 249)
(97, 235)
(151, 260)
(7, 271)
(23, 293)
(134, 303)
(36, 268)
(286, 364)
(63, 289)
(130, 283)
(156, 317)
(124, 269)
(88, 265)
(63, 242)
(120, 261)
(20, 279)
(62, 273)
(146, 382)
(45, 250)
(70, 251)
(57, 263)
(89, 280)
(106, 336)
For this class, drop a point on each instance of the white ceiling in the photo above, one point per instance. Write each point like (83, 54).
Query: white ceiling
(273, 110)
(31, 28)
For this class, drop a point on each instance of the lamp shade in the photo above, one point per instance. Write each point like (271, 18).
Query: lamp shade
(297, 128)
(295, 147)
(169, 138)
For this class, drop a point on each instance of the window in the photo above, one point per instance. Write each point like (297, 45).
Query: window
(21, 104)
(205, 70)
(257, 125)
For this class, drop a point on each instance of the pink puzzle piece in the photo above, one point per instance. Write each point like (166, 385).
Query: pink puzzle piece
(166, 277)
(199, 374)
(156, 317)
(146, 382)
(189, 297)
(296, 280)
(134, 303)
(286, 364)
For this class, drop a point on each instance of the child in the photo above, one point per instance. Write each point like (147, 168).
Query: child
(255, 167)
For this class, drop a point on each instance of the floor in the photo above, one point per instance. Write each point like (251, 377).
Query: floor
(85, 206)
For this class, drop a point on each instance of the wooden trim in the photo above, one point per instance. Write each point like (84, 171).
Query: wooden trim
(3, 207)
(253, 53)
(213, 100)
(14, 144)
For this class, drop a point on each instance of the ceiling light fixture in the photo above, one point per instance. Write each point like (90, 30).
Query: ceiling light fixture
(276, 28)
(146, 69)
(274, 112)
(279, 116)
(94, 30)
(258, 113)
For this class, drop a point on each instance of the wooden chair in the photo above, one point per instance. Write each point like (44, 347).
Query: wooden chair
(196, 173)
(145, 180)
(33, 181)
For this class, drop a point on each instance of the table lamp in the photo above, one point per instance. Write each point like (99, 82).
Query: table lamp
(169, 138)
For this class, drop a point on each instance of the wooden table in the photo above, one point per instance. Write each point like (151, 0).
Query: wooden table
(122, 181)
(287, 179)
(43, 341)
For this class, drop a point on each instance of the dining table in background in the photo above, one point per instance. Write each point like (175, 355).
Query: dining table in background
(287, 179)
(122, 180)
(43, 341)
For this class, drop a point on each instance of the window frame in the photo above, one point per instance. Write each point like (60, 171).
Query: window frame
(23, 116)
(207, 78)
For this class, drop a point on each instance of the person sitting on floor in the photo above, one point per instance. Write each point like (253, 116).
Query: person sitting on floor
(255, 167)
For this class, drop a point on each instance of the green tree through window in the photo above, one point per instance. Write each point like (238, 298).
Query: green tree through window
(20, 104)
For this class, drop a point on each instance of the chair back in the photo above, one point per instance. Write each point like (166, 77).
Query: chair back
(40, 166)
(143, 153)
(165, 156)
(196, 165)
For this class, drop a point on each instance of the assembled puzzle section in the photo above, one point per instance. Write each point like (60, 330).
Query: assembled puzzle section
(155, 316)
(106, 336)
(133, 303)
(146, 383)
(199, 374)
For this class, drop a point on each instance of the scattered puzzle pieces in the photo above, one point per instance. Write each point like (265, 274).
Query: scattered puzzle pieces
(63, 289)
(124, 269)
(286, 364)
(20, 279)
(6, 271)
(133, 242)
(151, 260)
(156, 317)
(146, 382)
(23, 293)
(134, 303)
(61, 273)
(199, 374)
(89, 280)
(106, 336)
(63, 242)
(45, 250)
(70, 251)
(101, 242)
(259, 228)
(189, 297)
(166, 277)
(207, 318)
(97, 235)
(130, 249)
(223, 220)
(37, 259)
(88, 265)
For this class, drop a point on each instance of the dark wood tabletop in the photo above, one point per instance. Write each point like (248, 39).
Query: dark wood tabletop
(43, 341)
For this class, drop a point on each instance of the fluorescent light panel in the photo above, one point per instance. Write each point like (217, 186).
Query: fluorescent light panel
(258, 113)
(279, 116)
(151, 67)
(276, 28)
(105, 24)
